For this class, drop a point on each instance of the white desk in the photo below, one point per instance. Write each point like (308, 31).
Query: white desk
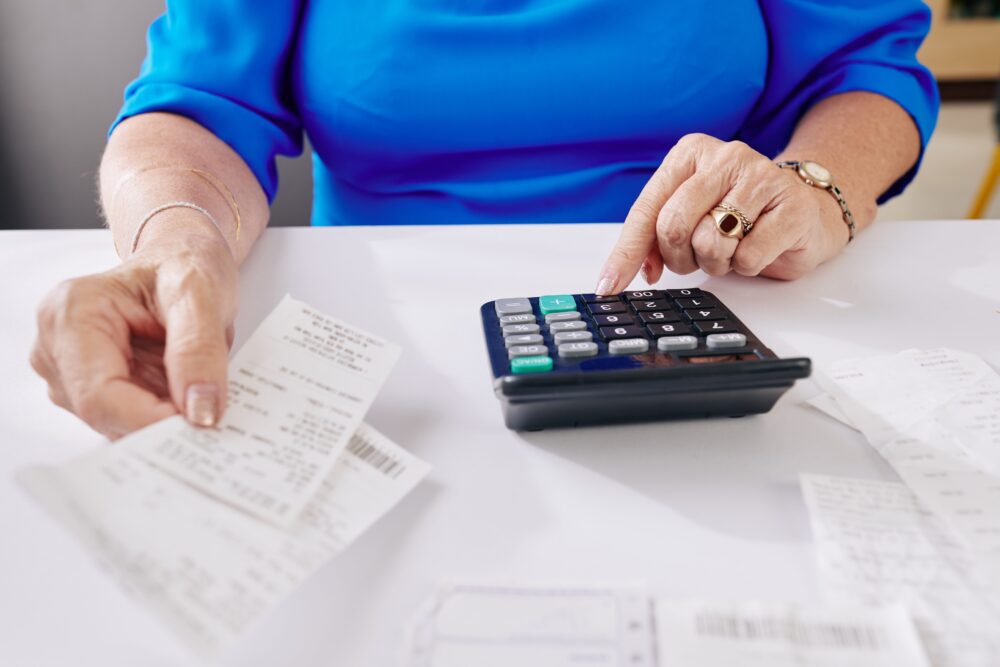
(706, 508)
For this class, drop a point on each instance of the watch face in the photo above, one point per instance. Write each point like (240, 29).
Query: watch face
(817, 173)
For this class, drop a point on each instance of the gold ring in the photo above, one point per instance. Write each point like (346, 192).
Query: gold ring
(730, 221)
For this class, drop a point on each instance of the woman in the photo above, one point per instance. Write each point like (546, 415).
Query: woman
(475, 111)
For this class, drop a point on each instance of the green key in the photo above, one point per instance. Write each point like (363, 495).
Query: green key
(521, 365)
(556, 303)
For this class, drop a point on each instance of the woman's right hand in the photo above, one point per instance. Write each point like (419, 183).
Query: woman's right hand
(148, 339)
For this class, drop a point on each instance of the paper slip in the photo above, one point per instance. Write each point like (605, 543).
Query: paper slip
(934, 415)
(205, 568)
(298, 389)
(705, 634)
(877, 544)
(559, 626)
(620, 626)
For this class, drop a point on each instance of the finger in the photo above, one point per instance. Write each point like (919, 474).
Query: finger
(196, 357)
(682, 213)
(122, 407)
(41, 363)
(147, 366)
(775, 232)
(652, 266)
(712, 250)
(754, 189)
(92, 361)
(638, 234)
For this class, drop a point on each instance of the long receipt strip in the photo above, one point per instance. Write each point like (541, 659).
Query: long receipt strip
(205, 566)
(619, 626)
(877, 544)
(934, 415)
(934, 541)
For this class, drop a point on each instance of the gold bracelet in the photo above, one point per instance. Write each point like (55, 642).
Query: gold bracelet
(213, 180)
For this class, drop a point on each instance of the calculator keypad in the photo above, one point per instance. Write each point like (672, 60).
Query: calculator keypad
(573, 328)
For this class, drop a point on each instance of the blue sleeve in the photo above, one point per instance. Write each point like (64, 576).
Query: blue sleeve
(820, 48)
(224, 64)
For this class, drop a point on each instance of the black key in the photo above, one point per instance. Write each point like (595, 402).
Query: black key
(658, 316)
(694, 304)
(613, 320)
(715, 326)
(654, 304)
(593, 298)
(704, 314)
(671, 329)
(642, 295)
(683, 293)
(627, 331)
(605, 308)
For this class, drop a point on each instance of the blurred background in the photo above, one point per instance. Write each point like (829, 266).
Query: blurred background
(64, 66)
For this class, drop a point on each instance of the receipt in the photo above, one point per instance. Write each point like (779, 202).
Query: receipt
(878, 544)
(617, 625)
(298, 389)
(713, 634)
(935, 417)
(489, 625)
(205, 568)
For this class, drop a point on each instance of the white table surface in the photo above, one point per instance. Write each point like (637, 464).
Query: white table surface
(698, 508)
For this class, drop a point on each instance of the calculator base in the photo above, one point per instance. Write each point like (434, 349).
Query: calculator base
(614, 408)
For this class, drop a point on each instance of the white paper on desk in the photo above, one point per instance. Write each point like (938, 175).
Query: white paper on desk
(714, 634)
(298, 389)
(495, 625)
(935, 417)
(877, 544)
(206, 569)
(828, 405)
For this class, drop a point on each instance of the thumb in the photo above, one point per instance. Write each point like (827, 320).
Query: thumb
(196, 357)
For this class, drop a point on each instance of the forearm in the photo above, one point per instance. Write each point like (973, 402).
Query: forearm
(153, 159)
(866, 141)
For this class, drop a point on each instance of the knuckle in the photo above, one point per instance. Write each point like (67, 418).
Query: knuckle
(670, 228)
(89, 407)
(38, 360)
(747, 260)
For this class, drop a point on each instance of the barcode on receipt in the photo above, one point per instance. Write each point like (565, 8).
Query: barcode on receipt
(789, 630)
(375, 457)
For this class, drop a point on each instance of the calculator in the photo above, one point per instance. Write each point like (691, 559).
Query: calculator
(578, 359)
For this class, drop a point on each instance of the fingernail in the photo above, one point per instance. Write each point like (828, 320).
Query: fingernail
(201, 404)
(645, 273)
(605, 285)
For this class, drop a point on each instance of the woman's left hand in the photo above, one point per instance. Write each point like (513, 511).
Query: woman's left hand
(796, 226)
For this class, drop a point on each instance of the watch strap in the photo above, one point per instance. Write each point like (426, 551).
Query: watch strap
(833, 190)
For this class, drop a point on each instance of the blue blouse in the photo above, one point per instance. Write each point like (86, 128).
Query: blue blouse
(485, 111)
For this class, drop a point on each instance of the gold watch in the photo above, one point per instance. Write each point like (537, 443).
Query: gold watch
(818, 176)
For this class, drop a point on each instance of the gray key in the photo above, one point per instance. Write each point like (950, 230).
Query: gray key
(572, 337)
(556, 327)
(523, 339)
(574, 350)
(567, 316)
(512, 306)
(668, 343)
(522, 318)
(518, 329)
(724, 340)
(628, 346)
(527, 351)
